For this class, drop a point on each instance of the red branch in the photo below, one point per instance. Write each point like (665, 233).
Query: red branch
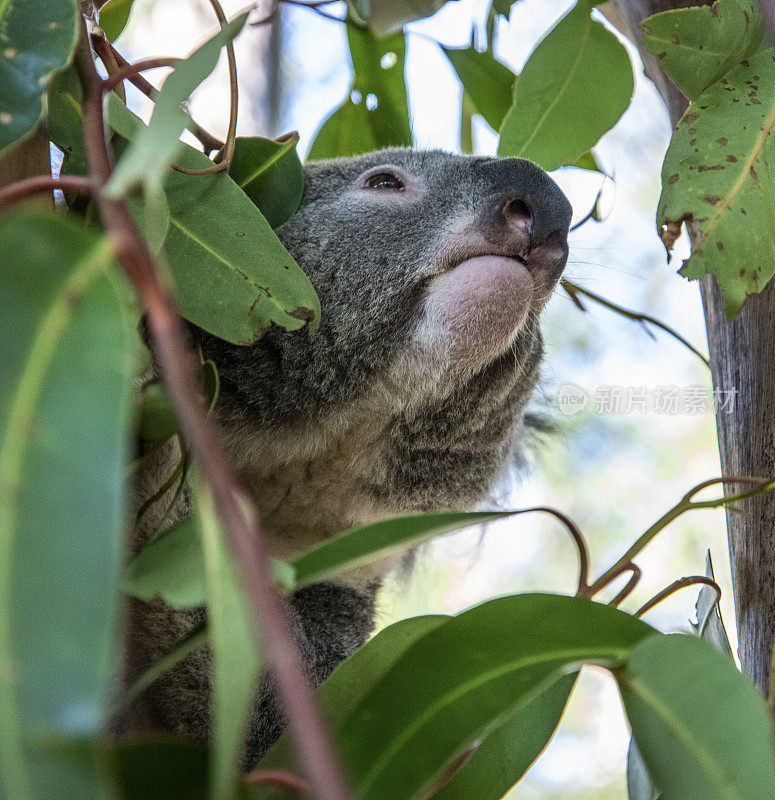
(129, 71)
(42, 184)
(246, 537)
(276, 777)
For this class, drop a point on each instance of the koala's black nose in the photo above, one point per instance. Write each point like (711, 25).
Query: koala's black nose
(526, 211)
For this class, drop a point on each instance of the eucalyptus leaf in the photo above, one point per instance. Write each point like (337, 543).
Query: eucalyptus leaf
(508, 752)
(369, 543)
(37, 37)
(709, 624)
(234, 644)
(155, 147)
(171, 568)
(114, 15)
(701, 726)
(65, 380)
(575, 86)
(270, 174)
(467, 677)
(244, 278)
(376, 112)
(697, 45)
(716, 177)
(350, 682)
(389, 16)
(486, 81)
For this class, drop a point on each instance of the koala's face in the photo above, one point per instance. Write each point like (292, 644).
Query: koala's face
(460, 251)
(429, 266)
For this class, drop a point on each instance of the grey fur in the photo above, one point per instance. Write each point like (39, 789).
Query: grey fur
(352, 423)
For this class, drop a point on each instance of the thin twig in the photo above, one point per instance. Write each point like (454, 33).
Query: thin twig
(684, 504)
(279, 778)
(574, 290)
(578, 539)
(676, 586)
(628, 587)
(42, 184)
(129, 71)
(246, 537)
(231, 133)
(209, 142)
(108, 58)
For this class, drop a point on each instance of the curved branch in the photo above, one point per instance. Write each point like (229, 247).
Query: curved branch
(43, 184)
(246, 536)
(574, 290)
(681, 583)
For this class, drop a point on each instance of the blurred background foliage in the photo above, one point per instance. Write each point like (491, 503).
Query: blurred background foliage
(613, 474)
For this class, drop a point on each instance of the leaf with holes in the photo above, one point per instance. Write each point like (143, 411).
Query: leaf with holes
(270, 174)
(486, 81)
(376, 113)
(37, 38)
(573, 88)
(701, 726)
(697, 45)
(65, 380)
(716, 177)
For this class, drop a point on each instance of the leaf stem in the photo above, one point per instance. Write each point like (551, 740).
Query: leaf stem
(574, 290)
(128, 71)
(246, 536)
(279, 778)
(208, 141)
(686, 503)
(681, 583)
(42, 184)
(628, 587)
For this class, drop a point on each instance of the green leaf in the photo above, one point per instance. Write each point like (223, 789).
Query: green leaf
(639, 783)
(171, 567)
(368, 543)
(697, 45)
(486, 81)
(716, 176)
(245, 279)
(155, 147)
(702, 728)
(64, 121)
(502, 7)
(573, 88)
(709, 625)
(65, 381)
(37, 38)
(356, 127)
(270, 174)
(232, 274)
(464, 679)
(114, 16)
(389, 16)
(156, 416)
(234, 643)
(351, 681)
(159, 769)
(508, 752)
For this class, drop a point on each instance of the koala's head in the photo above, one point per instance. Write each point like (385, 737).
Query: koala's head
(431, 269)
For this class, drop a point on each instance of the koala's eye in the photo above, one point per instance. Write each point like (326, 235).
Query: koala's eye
(384, 180)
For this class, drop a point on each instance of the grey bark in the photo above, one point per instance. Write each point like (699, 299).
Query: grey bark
(742, 355)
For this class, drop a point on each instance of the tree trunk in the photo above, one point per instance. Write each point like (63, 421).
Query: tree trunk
(742, 355)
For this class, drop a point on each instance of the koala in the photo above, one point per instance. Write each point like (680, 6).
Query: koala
(432, 270)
